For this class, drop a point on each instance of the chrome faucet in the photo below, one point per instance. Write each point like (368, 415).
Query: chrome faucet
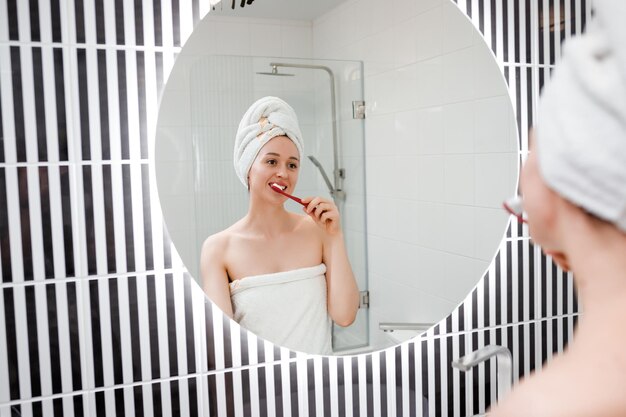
(504, 365)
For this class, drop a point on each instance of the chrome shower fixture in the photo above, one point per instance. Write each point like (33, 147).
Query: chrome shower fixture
(275, 72)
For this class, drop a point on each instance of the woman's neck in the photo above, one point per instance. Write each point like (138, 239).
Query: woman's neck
(599, 265)
(267, 219)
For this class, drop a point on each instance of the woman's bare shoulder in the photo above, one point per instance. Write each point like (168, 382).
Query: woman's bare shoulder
(218, 242)
(213, 255)
(569, 386)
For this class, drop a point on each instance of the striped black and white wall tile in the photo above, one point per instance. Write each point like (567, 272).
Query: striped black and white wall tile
(97, 314)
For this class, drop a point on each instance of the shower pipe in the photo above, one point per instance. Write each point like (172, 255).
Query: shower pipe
(338, 173)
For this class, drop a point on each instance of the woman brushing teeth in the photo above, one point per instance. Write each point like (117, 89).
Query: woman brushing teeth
(284, 276)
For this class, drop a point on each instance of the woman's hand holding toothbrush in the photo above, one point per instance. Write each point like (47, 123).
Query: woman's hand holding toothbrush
(325, 214)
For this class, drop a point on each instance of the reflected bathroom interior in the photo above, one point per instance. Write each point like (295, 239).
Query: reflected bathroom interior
(321, 93)
(441, 156)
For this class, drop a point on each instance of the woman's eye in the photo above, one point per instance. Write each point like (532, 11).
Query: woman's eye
(293, 166)
(271, 161)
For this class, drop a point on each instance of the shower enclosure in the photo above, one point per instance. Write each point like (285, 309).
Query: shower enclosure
(336, 188)
(322, 93)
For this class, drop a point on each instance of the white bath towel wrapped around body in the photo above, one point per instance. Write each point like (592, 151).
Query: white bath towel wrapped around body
(287, 308)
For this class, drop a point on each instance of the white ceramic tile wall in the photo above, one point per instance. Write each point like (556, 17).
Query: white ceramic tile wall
(441, 146)
(433, 143)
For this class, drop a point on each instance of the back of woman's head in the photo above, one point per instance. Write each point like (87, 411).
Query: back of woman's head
(581, 126)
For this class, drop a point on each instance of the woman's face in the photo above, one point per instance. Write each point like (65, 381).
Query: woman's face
(540, 202)
(277, 162)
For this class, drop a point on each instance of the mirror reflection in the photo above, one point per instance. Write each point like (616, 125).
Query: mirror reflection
(282, 275)
(438, 149)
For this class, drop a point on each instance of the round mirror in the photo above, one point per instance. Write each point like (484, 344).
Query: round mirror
(419, 181)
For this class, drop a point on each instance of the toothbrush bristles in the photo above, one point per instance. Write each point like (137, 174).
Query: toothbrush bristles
(280, 190)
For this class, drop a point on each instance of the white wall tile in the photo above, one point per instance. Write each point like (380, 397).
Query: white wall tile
(459, 230)
(399, 303)
(176, 178)
(431, 127)
(430, 173)
(231, 38)
(458, 76)
(378, 53)
(379, 136)
(495, 176)
(458, 130)
(429, 33)
(174, 143)
(380, 183)
(405, 43)
(381, 93)
(404, 10)
(459, 179)
(431, 278)
(462, 272)
(381, 217)
(490, 224)
(408, 222)
(347, 24)
(428, 275)
(265, 39)
(406, 132)
(431, 225)
(380, 255)
(406, 82)
(405, 178)
(334, 33)
(176, 110)
(181, 225)
(297, 41)
(493, 125)
(430, 82)
(433, 308)
(458, 31)
(488, 77)
(425, 5)
(381, 15)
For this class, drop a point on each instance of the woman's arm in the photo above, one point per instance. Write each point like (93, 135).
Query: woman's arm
(342, 290)
(214, 275)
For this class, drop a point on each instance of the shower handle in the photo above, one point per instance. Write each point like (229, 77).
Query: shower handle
(333, 192)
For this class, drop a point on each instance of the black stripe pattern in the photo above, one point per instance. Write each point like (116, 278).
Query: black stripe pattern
(93, 297)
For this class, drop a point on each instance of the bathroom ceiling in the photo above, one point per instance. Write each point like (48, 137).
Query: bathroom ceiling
(278, 9)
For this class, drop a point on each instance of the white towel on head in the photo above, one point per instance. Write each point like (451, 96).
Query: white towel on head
(581, 126)
(267, 118)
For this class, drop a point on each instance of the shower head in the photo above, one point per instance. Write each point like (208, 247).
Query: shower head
(275, 72)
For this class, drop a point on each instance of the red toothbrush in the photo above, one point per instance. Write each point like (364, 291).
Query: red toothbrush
(515, 206)
(279, 190)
